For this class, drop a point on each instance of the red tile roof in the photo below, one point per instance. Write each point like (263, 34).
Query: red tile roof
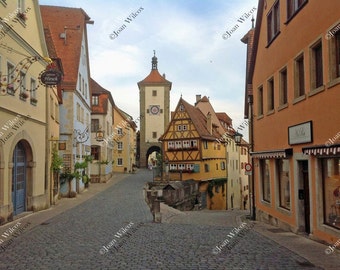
(104, 97)
(154, 78)
(69, 48)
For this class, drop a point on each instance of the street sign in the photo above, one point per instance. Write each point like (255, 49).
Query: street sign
(248, 167)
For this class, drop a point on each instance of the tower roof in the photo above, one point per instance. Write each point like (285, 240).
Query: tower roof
(154, 77)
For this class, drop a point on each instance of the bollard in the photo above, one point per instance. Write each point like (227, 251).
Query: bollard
(156, 210)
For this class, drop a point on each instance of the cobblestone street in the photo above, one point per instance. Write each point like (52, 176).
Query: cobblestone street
(75, 239)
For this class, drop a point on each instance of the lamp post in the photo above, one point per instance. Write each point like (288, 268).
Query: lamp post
(238, 140)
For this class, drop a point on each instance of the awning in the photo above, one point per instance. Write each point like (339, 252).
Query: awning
(322, 150)
(282, 153)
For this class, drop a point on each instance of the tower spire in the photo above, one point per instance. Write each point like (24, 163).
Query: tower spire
(154, 60)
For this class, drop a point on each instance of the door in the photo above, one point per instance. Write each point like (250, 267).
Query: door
(305, 179)
(19, 179)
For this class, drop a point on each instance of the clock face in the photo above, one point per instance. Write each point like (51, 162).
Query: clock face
(154, 109)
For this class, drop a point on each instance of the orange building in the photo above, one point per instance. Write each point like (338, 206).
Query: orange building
(293, 94)
(191, 151)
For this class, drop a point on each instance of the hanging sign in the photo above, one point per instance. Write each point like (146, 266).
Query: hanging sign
(50, 77)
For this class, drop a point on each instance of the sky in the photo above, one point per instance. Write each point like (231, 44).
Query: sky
(187, 36)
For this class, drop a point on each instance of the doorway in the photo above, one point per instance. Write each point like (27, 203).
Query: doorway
(304, 196)
(19, 179)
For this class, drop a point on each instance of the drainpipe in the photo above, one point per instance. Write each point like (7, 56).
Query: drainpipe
(251, 149)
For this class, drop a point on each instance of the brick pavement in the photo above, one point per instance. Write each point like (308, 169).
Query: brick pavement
(74, 238)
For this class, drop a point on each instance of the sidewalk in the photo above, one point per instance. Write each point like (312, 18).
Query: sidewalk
(64, 204)
(312, 251)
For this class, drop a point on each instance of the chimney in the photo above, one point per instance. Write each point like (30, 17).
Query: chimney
(209, 123)
(164, 75)
(198, 97)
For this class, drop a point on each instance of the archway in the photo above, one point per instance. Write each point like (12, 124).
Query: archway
(21, 189)
(151, 156)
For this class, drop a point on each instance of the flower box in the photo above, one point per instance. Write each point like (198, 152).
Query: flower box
(22, 16)
(34, 101)
(23, 95)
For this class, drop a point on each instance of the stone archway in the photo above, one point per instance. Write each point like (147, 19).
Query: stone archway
(151, 150)
(21, 177)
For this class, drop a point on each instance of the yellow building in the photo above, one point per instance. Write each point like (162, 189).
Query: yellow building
(191, 151)
(124, 141)
(24, 109)
(101, 133)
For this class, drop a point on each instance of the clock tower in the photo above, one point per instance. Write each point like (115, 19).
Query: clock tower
(154, 104)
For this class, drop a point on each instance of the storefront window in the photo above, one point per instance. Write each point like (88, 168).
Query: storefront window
(284, 182)
(265, 179)
(331, 182)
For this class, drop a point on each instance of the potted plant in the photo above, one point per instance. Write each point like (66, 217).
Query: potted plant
(10, 89)
(34, 101)
(23, 95)
(86, 180)
(22, 16)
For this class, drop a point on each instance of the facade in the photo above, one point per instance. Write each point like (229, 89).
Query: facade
(293, 94)
(67, 27)
(191, 152)
(154, 98)
(25, 124)
(101, 122)
(124, 142)
(237, 180)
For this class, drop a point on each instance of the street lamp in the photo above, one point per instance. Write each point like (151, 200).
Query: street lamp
(238, 140)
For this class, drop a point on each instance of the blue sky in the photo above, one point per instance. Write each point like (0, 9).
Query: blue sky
(187, 37)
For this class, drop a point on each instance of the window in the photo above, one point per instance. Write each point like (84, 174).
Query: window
(222, 165)
(107, 128)
(56, 112)
(179, 127)
(190, 167)
(293, 6)
(260, 101)
(206, 167)
(95, 100)
(154, 93)
(335, 54)
(119, 130)
(120, 145)
(173, 167)
(95, 152)
(216, 166)
(94, 125)
(186, 144)
(271, 95)
(181, 108)
(171, 145)
(120, 162)
(21, 5)
(299, 77)
(154, 135)
(193, 143)
(86, 90)
(284, 182)
(273, 21)
(181, 167)
(10, 79)
(178, 144)
(283, 87)
(82, 114)
(79, 80)
(316, 66)
(33, 85)
(265, 179)
(185, 127)
(331, 191)
(205, 144)
(22, 82)
(82, 86)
